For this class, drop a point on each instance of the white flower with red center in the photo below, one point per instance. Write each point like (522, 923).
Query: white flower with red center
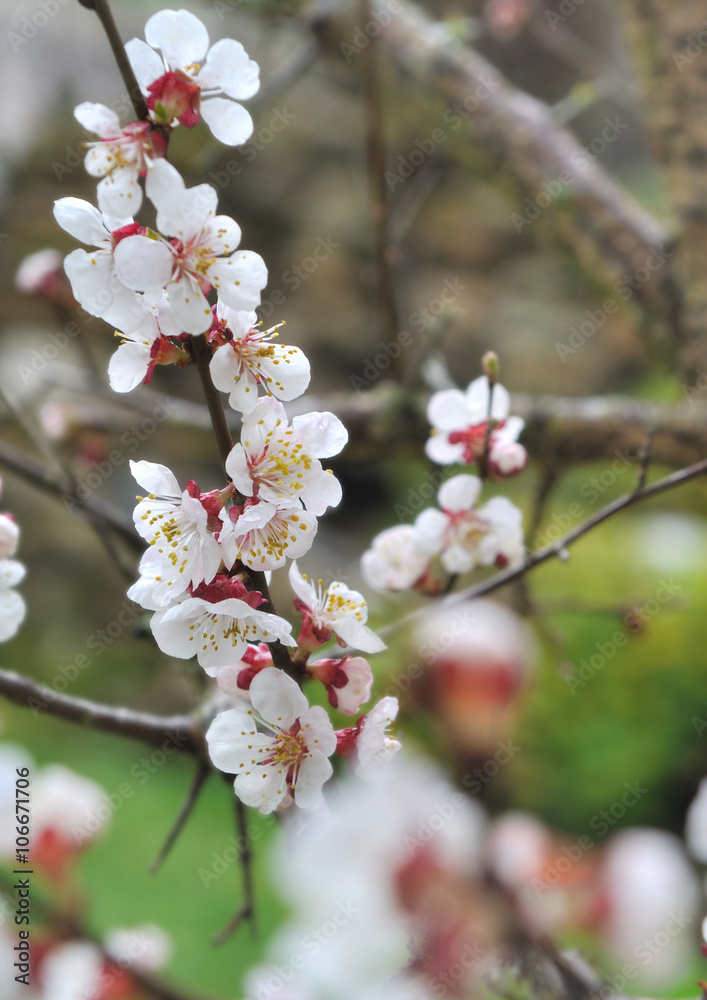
(12, 605)
(121, 157)
(460, 427)
(236, 678)
(250, 359)
(202, 253)
(263, 535)
(394, 562)
(348, 681)
(179, 527)
(94, 280)
(188, 80)
(216, 624)
(279, 462)
(368, 743)
(335, 611)
(465, 537)
(288, 758)
(147, 346)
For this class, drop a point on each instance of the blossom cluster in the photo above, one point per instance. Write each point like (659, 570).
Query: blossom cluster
(468, 428)
(203, 574)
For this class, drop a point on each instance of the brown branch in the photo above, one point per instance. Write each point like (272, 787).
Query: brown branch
(105, 16)
(155, 730)
(247, 910)
(555, 550)
(203, 771)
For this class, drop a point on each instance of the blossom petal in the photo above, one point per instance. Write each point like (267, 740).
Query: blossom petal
(459, 493)
(180, 36)
(189, 305)
(358, 635)
(100, 292)
(313, 772)
(97, 118)
(146, 63)
(142, 263)
(224, 235)
(128, 366)
(240, 279)
(438, 449)
(430, 528)
(323, 491)
(301, 587)
(156, 479)
(120, 192)
(449, 410)
(229, 68)
(229, 122)
(317, 730)
(324, 433)
(263, 789)
(232, 738)
(12, 613)
(81, 220)
(477, 396)
(277, 698)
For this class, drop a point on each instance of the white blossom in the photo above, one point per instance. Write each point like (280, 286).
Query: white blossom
(394, 562)
(465, 536)
(279, 462)
(251, 360)
(12, 605)
(288, 759)
(188, 79)
(263, 535)
(336, 610)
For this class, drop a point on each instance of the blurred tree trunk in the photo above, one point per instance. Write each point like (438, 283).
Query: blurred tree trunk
(669, 43)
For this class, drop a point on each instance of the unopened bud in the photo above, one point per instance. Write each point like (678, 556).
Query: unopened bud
(491, 366)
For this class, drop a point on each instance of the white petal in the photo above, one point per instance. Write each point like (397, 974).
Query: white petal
(156, 479)
(229, 122)
(128, 366)
(223, 235)
(438, 449)
(300, 587)
(81, 220)
(313, 772)
(12, 572)
(147, 65)
(318, 731)
(97, 118)
(477, 395)
(12, 613)
(240, 279)
(287, 373)
(189, 214)
(263, 789)
(324, 433)
(120, 193)
(99, 291)
(180, 36)
(277, 698)
(228, 738)
(229, 68)
(358, 635)
(449, 410)
(323, 491)
(430, 528)
(459, 493)
(189, 305)
(237, 468)
(164, 184)
(142, 263)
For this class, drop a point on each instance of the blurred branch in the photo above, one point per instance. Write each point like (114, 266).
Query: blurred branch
(91, 508)
(199, 780)
(601, 223)
(155, 730)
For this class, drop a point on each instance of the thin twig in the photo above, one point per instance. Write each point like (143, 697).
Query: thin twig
(202, 773)
(247, 910)
(645, 456)
(554, 551)
(156, 730)
(116, 43)
(202, 356)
